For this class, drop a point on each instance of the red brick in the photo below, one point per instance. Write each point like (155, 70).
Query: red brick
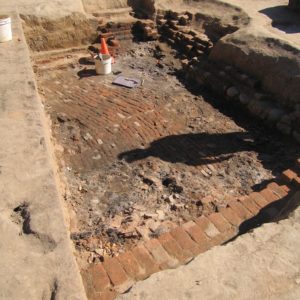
(276, 189)
(131, 266)
(173, 248)
(288, 175)
(250, 205)
(145, 260)
(197, 234)
(161, 257)
(269, 195)
(106, 295)
(258, 199)
(118, 277)
(297, 182)
(99, 277)
(184, 240)
(285, 188)
(87, 282)
(229, 214)
(207, 226)
(219, 221)
(240, 210)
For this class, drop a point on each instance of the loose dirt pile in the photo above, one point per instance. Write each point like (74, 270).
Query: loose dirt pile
(47, 34)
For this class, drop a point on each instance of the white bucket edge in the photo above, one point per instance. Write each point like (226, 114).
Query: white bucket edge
(103, 67)
(5, 29)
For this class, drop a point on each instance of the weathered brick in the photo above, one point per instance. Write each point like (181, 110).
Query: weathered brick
(184, 240)
(131, 266)
(229, 214)
(219, 221)
(118, 277)
(99, 277)
(207, 226)
(106, 295)
(146, 261)
(173, 248)
(87, 282)
(288, 175)
(276, 189)
(258, 199)
(240, 210)
(197, 234)
(297, 182)
(269, 195)
(285, 188)
(250, 205)
(161, 257)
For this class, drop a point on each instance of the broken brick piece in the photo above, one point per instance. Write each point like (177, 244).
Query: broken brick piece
(131, 266)
(118, 277)
(146, 261)
(276, 189)
(250, 205)
(269, 195)
(207, 226)
(173, 248)
(258, 199)
(184, 240)
(288, 175)
(219, 221)
(99, 277)
(232, 217)
(197, 234)
(160, 255)
(240, 210)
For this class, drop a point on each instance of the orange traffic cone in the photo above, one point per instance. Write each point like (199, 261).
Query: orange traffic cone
(104, 49)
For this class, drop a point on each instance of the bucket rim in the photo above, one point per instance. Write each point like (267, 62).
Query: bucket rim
(4, 17)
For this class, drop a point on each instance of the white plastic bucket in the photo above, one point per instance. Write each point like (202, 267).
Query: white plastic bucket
(5, 29)
(103, 67)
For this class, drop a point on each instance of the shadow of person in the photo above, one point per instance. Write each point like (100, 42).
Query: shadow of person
(86, 61)
(283, 18)
(86, 73)
(193, 149)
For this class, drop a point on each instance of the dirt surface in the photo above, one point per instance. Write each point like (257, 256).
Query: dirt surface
(44, 34)
(139, 161)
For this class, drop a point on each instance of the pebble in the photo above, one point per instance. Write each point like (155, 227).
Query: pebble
(232, 92)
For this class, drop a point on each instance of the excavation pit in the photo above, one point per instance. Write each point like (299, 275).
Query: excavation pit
(139, 162)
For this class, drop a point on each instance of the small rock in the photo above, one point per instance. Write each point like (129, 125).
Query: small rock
(99, 141)
(232, 92)
(143, 232)
(161, 215)
(87, 137)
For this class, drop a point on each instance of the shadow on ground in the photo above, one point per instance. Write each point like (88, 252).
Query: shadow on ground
(274, 212)
(283, 18)
(193, 149)
(86, 73)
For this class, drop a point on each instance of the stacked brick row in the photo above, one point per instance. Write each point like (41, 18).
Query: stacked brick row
(175, 30)
(238, 87)
(145, 30)
(112, 30)
(182, 244)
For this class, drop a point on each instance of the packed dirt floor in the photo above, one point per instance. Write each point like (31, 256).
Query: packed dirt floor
(139, 161)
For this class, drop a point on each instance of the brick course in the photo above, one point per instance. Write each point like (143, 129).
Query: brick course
(181, 244)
